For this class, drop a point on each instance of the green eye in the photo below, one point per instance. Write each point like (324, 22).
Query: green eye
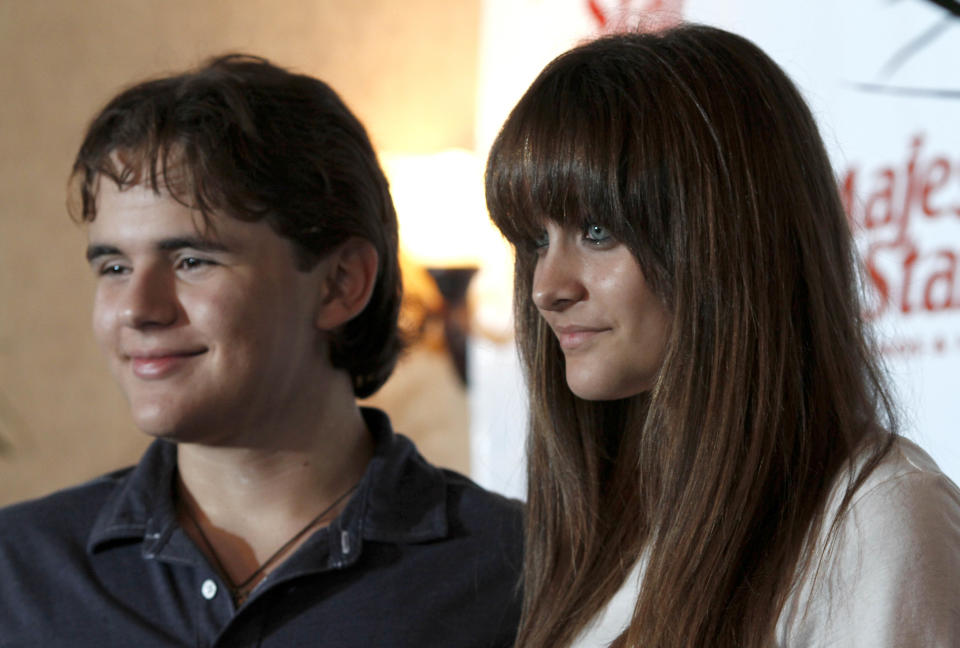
(542, 240)
(596, 233)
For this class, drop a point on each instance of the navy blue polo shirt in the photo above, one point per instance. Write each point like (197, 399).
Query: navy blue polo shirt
(419, 557)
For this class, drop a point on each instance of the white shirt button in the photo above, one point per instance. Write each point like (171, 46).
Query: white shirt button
(208, 589)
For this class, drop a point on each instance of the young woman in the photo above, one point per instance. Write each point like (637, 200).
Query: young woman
(712, 455)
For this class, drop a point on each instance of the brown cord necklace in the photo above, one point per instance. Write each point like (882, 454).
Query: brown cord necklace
(241, 591)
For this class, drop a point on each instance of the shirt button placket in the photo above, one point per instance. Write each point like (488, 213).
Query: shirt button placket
(214, 609)
(209, 589)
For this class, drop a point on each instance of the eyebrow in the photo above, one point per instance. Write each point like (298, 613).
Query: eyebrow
(95, 251)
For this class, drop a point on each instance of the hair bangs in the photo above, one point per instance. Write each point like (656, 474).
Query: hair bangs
(175, 136)
(556, 159)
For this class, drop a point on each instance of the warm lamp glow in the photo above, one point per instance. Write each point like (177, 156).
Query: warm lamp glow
(440, 205)
(444, 224)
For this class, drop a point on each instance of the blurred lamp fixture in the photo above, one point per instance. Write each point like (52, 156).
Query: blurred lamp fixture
(453, 284)
(445, 229)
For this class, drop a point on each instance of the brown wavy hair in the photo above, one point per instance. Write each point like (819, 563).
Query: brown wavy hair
(258, 142)
(698, 153)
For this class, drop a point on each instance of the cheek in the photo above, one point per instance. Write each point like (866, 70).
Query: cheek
(646, 318)
(234, 315)
(217, 314)
(103, 318)
(651, 330)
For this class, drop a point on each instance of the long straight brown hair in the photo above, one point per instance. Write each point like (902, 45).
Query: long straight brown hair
(697, 152)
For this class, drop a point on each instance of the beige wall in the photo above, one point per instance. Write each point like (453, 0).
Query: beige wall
(406, 68)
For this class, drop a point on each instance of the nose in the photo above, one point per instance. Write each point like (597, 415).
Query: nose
(148, 299)
(556, 279)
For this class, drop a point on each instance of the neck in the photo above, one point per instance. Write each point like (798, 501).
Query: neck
(241, 504)
(278, 460)
(274, 481)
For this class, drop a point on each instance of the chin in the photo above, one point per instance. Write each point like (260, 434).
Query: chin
(594, 388)
(155, 428)
(155, 419)
(593, 392)
(597, 395)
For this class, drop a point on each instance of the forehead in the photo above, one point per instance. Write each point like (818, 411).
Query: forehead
(138, 216)
(137, 210)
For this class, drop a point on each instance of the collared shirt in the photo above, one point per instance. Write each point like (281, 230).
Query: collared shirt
(419, 557)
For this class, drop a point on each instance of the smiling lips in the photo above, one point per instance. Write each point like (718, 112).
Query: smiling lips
(573, 337)
(159, 364)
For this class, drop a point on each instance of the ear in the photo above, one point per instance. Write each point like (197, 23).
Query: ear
(350, 278)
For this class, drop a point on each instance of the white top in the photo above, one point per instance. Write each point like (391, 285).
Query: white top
(891, 580)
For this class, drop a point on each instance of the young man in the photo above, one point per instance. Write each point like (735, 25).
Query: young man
(244, 246)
